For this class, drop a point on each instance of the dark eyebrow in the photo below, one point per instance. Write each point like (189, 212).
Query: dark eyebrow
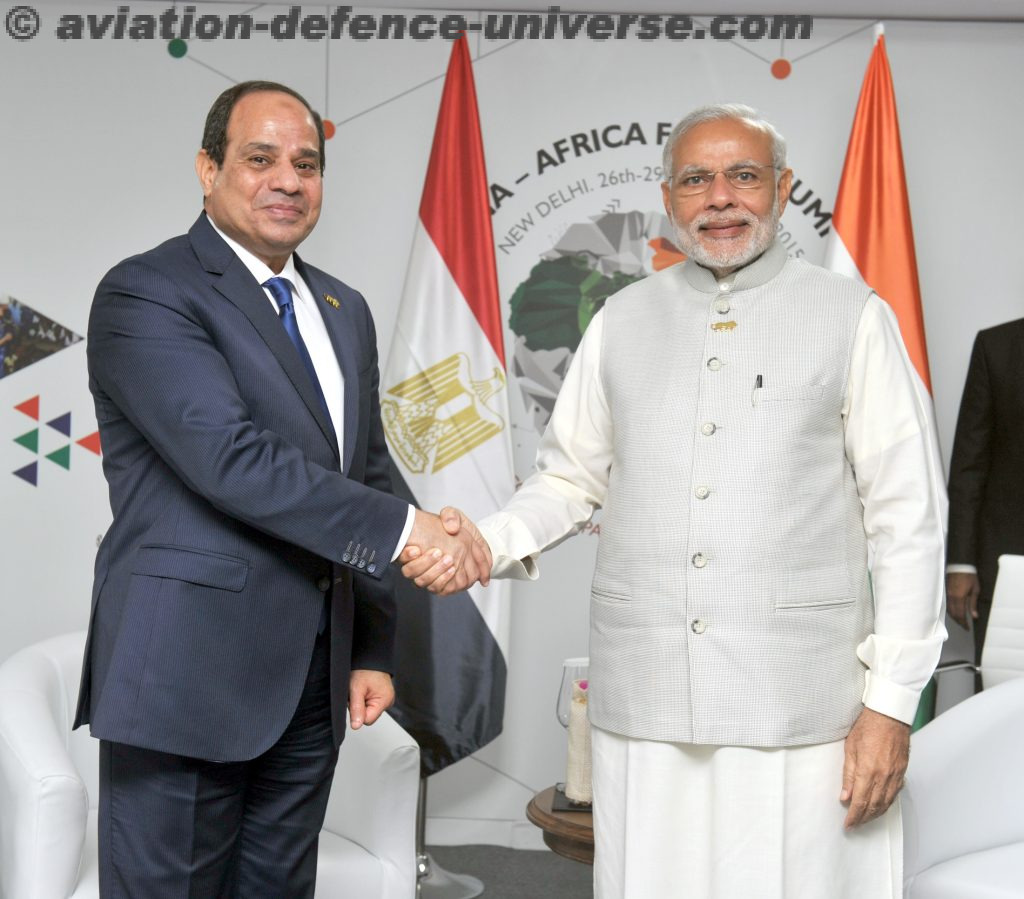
(265, 148)
(305, 153)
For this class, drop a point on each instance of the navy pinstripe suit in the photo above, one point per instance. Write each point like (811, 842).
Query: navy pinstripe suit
(233, 512)
(232, 509)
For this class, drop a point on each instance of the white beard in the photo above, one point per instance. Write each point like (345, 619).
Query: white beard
(732, 254)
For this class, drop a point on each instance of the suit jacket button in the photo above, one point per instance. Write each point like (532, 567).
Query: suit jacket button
(361, 563)
(346, 557)
(372, 567)
(323, 584)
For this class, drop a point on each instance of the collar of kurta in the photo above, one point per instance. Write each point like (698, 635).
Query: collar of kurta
(758, 272)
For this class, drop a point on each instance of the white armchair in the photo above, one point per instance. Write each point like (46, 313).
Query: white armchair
(963, 825)
(49, 780)
(1002, 657)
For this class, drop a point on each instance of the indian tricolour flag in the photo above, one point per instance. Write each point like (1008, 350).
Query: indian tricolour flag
(872, 238)
(444, 403)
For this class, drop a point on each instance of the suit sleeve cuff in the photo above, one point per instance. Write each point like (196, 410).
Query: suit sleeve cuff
(375, 661)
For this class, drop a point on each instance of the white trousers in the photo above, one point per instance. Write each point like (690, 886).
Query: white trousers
(677, 821)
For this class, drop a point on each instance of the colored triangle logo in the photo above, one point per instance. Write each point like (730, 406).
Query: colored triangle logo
(62, 423)
(30, 408)
(91, 442)
(29, 440)
(29, 473)
(61, 457)
(38, 335)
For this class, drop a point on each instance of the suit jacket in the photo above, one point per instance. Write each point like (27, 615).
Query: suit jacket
(233, 511)
(986, 474)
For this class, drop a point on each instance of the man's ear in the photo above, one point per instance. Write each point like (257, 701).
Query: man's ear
(206, 170)
(666, 199)
(785, 186)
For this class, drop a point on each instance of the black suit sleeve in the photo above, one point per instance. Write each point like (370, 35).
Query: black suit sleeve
(971, 460)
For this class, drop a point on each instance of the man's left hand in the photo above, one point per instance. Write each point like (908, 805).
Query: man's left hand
(877, 752)
(369, 694)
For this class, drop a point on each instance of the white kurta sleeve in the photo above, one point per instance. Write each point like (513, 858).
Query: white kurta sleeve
(890, 442)
(571, 477)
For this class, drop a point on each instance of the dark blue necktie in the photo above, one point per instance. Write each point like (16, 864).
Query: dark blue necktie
(281, 288)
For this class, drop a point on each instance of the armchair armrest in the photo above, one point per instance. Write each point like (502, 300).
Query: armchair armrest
(376, 786)
(43, 798)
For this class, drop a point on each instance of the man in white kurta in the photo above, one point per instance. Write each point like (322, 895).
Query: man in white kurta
(751, 427)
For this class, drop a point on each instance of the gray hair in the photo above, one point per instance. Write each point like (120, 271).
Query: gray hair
(718, 112)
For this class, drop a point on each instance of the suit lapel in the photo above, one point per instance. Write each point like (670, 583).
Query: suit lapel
(235, 283)
(341, 329)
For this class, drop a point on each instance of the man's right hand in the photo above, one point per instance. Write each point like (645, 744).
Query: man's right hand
(429, 565)
(962, 590)
(445, 553)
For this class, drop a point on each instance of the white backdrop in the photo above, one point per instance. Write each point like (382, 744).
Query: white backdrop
(97, 154)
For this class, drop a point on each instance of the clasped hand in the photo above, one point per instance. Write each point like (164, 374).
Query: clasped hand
(445, 553)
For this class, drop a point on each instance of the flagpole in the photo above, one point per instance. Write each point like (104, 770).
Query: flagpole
(433, 881)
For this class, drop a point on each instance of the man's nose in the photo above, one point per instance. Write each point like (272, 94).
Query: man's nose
(284, 178)
(720, 193)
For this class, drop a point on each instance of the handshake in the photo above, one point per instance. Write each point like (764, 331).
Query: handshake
(445, 553)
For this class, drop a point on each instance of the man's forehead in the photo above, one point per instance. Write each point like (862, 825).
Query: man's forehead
(274, 108)
(731, 137)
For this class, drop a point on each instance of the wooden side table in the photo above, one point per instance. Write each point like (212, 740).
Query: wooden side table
(570, 834)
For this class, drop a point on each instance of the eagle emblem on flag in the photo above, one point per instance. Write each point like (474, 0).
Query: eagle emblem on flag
(440, 414)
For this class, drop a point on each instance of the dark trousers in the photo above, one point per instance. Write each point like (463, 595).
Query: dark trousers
(172, 827)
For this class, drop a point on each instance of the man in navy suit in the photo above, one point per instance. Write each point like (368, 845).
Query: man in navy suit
(242, 595)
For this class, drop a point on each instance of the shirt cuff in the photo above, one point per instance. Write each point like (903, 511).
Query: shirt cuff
(890, 698)
(406, 531)
(961, 568)
(504, 565)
